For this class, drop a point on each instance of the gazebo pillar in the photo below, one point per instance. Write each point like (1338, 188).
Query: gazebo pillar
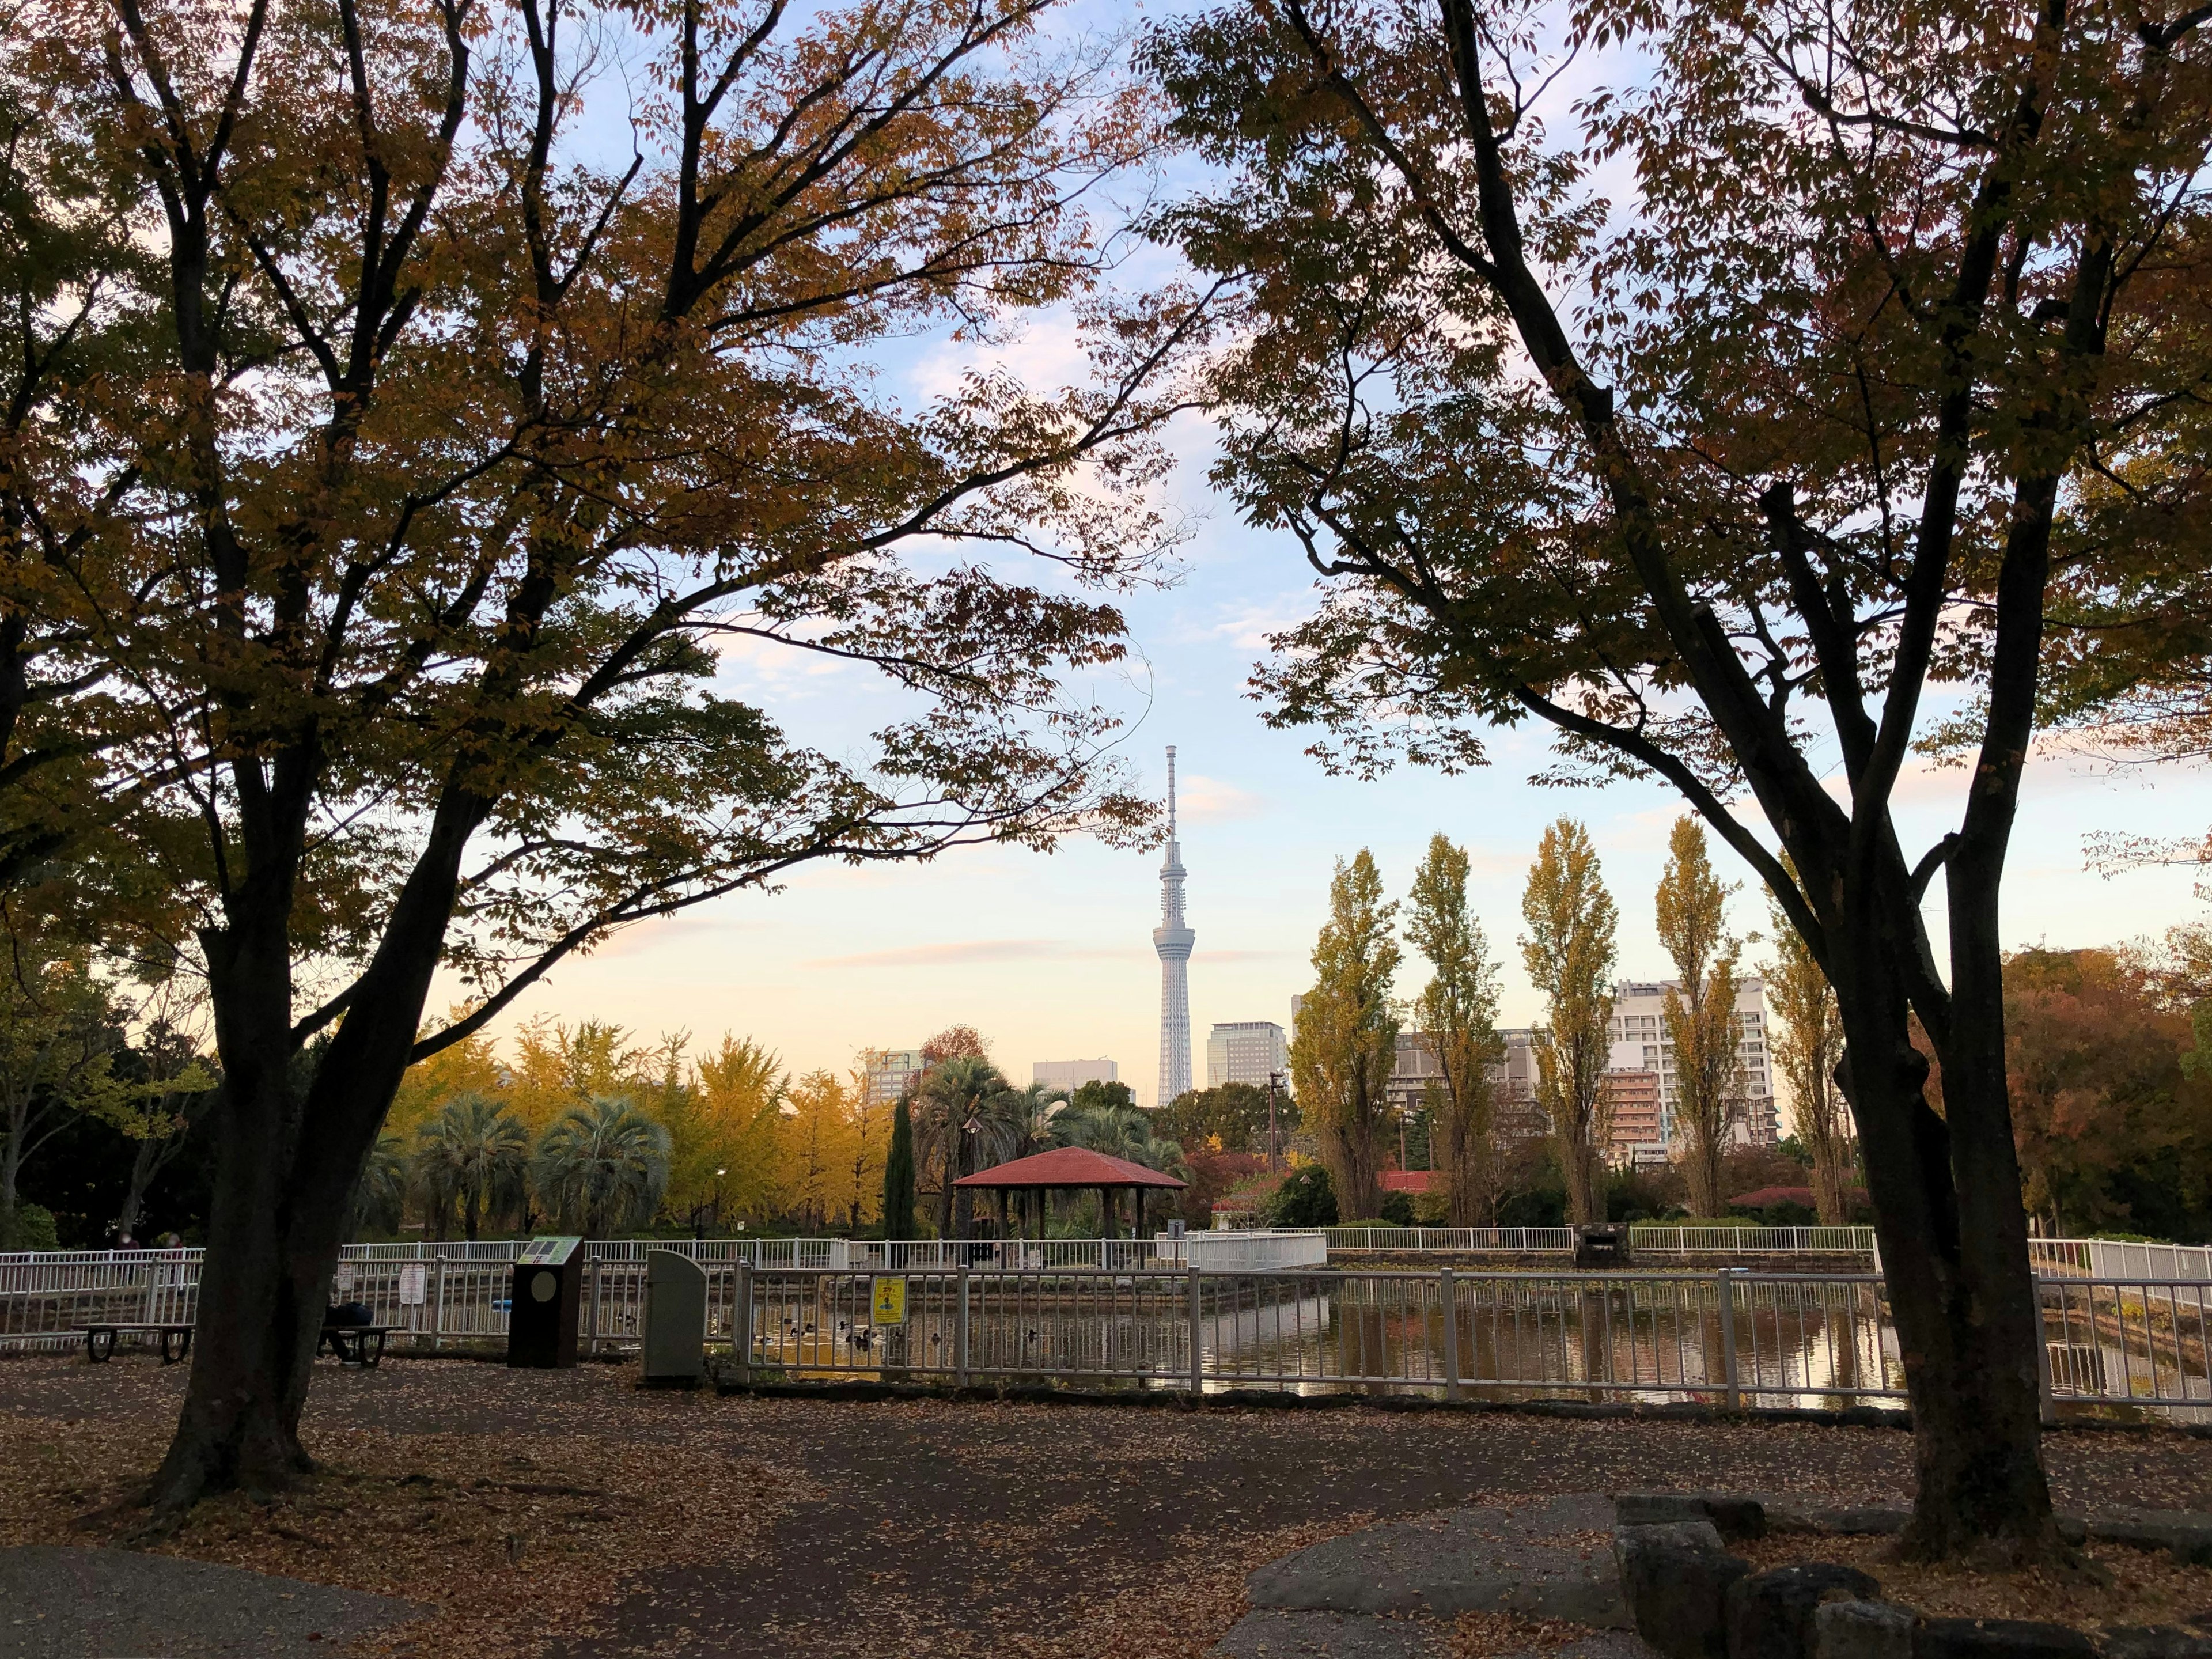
(1138, 1197)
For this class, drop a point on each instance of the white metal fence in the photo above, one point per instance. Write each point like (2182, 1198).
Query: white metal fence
(1734, 1336)
(1650, 1239)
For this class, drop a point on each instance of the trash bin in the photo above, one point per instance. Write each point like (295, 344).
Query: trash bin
(675, 1318)
(546, 1304)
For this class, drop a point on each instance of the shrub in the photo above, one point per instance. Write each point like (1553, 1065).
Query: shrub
(1307, 1198)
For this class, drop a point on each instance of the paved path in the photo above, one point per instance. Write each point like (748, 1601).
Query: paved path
(1393, 1591)
(62, 1603)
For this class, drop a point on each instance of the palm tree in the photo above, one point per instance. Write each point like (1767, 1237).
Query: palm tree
(602, 1168)
(953, 1104)
(475, 1154)
(1027, 1114)
(380, 1196)
(1124, 1131)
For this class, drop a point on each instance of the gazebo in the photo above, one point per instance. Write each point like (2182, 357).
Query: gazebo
(1070, 1169)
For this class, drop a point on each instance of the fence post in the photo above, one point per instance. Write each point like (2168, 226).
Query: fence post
(598, 1266)
(1451, 1336)
(741, 1321)
(960, 1332)
(2046, 1407)
(438, 1311)
(1725, 1281)
(1197, 1340)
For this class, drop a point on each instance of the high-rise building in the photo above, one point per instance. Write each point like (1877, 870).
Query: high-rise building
(1640, 1042)
(1173, 940)
(1246, 1051)
(1071, 1074)
(1633, 1111)
(1515, 1115)
(890, 1073)
(1412, 1068)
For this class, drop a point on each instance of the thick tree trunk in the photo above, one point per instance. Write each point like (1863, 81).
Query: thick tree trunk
(1947, 1200)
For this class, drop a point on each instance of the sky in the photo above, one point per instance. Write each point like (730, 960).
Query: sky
(1049, 956)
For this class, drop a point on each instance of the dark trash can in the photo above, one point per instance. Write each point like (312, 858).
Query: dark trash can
(545, 1305)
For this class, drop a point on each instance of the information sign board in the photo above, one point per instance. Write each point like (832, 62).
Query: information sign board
(548, 1252)
(889, 1302)
(412, 1276)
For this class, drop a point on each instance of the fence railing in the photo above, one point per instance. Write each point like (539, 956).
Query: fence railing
(1660, 1239)
(1469, 1241)
(1736, 1336)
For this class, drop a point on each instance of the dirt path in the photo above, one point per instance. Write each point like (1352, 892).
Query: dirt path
(811, 1527)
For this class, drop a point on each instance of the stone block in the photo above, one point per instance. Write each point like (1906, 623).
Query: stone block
(1997, 1638)
(2152, 1642)
(1675, 1578)
(1863, 1630)
(1770, 1614)
(1733, 1514)
(2187, 1536)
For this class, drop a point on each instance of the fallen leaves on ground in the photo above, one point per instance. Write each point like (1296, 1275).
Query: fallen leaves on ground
(2149, 1586)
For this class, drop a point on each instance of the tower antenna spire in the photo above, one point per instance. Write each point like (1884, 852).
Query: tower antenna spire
(1173, 940)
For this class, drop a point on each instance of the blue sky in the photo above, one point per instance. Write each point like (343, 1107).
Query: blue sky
(1050, 955)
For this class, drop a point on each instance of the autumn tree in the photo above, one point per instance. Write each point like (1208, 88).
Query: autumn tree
(1888, 313)
(61, 1032)
(448, 458)
(1457, 1010)
(1345, 1043)
(1699, 1009)
(818, 1132)
(1569, 953)
(899, 1176)
(1232, 1117)
(1807, 1041)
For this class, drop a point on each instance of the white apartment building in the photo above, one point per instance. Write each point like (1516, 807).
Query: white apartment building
(1246, 1051)
(1640, 1043)
(1073, 1074)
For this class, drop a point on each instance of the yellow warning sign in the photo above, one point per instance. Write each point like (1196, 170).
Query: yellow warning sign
(890, 1301)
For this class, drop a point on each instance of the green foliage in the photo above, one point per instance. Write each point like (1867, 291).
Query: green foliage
(1098, 1092)
(1124, 1131)
(1569, 952)
(601, 1169)
(473, 1157)
(1235, 1113)
(1457, 1012)
(1345, 1046)
(1307, 1198)
(380, 1196)
(1397, 1209)
(898, 1176)
(31, 1227)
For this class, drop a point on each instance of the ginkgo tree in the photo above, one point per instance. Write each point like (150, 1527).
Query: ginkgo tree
(1748, 476)
(458, 454)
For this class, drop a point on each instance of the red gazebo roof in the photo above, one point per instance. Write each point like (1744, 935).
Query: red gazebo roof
(1069, 1166)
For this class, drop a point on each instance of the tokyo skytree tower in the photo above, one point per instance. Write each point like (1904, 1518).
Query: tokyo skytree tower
(1173, 941)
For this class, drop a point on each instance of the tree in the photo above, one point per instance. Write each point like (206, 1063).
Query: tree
(1457, 1010)
(1901, 311)
(2114, 1132)
(956, 1043)
(726, 1143)
(167, 1090)
(898, 1174)
(959, 1134)
(379, 1203)
(445, 458)
(1235, 1115)
(473, 1157)
(818, 1132)
(1346, 1041)
(871, 1130)
(1307, 1198)
(601, 1169)
(1569, 952)
(60, 1031)
(1098, 1092)
(1700, 1015)
(1123, 1132)
(1807, 1041)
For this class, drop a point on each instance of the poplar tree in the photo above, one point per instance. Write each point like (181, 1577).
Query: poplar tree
(1569, 952)
(1700, 1014)
(1345, 1043)
(1808, 1044)
(1458, 1013)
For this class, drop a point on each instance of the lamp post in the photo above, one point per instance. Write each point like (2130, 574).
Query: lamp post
(1274, 1083)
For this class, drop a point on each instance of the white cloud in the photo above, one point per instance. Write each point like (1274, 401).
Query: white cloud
(970, 950)
(1202, 799)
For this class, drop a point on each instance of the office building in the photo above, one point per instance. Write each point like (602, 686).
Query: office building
(1247, 1051)
(890, 1072)
(1071, 1074)
(1633, 1112)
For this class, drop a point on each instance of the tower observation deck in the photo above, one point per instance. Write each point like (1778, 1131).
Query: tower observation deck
(1173, 941)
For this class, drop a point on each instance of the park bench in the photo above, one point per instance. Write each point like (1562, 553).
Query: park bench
(100, 1341)
(349, 1334)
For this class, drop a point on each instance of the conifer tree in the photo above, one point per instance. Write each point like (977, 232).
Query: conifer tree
(1701, 1015)
(1569, 950)
(898, 1176)
(1458, 1014)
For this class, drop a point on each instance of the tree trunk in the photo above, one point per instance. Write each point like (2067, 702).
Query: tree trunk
(145, 1164)
(1946, 1203)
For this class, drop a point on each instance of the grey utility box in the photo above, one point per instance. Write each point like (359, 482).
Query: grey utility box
(675, 1318)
